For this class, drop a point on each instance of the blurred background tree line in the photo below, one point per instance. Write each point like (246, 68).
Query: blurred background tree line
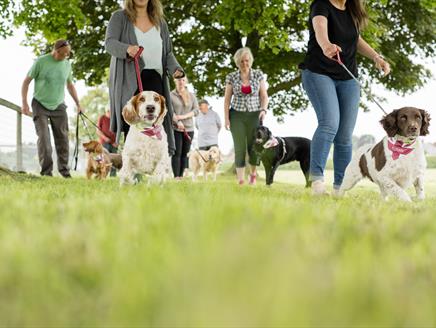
(206, 33)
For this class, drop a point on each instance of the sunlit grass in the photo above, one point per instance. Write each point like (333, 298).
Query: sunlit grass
(82, 253)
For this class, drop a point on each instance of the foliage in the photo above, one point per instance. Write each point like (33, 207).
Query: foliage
(87, 253)
(206, 34)
(95, 103)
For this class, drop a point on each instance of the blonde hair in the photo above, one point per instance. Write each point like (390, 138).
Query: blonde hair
(154, 11)
(240, 53)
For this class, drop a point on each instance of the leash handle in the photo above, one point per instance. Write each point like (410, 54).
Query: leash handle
(138, 73)
(186, 135)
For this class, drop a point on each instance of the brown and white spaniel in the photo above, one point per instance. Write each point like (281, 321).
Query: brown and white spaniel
(146, 148)
(397, 161)
(100, 160)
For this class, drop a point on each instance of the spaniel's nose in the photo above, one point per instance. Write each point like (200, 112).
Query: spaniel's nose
(150, 109)
(413, 129)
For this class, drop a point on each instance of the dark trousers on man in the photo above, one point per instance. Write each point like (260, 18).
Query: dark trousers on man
(59, 125)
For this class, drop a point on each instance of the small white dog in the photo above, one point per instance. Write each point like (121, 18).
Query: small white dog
(206, 161)
(146, 147)
(397, 161)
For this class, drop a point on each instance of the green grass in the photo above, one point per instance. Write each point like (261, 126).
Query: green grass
(88, 253)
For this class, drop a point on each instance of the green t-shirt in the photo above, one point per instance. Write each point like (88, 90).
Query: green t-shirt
(50, 77)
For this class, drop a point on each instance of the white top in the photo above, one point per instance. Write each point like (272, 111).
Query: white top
(152, 43)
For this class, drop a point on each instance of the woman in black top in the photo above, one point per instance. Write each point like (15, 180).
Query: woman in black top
(334, 27)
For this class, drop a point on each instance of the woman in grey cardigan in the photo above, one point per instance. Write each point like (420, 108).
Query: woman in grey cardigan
(140, 23)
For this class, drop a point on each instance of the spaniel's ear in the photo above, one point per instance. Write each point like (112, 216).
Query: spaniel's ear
(163, 111)
(130, 111)
(389, 123)
(425, 122)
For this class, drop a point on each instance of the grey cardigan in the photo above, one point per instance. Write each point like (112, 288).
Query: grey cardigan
(122, 77)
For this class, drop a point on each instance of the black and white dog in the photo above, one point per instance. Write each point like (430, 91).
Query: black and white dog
(275, 151)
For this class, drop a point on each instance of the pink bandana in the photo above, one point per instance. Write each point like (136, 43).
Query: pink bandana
(154, 132)
(98, 158)
(398, 147)
(271, 143)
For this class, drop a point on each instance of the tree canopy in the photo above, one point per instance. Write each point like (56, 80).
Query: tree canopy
(206, 33)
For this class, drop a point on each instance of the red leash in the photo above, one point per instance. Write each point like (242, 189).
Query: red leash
(138, 73)
(340, 62)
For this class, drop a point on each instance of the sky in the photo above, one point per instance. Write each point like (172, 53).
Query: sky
(16, 60)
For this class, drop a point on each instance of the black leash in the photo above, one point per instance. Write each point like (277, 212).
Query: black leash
(76, 147)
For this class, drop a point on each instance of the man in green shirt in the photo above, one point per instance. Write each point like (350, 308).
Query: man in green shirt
(51, 73)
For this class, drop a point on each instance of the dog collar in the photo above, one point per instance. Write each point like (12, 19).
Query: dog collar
(400, 146)
(153, 132)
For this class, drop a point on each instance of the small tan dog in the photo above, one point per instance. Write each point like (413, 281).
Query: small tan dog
(204, 160)
(100, 160)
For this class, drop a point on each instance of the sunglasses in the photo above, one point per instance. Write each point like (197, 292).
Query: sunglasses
(61, 45)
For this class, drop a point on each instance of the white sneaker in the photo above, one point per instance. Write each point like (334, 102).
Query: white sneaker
(338, 193)
(318, 188)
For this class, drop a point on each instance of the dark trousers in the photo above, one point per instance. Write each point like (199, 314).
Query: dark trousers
(243, 126)
(179, 161)
(58, 120)
(207, 147)
(151, 81)
(112, 150)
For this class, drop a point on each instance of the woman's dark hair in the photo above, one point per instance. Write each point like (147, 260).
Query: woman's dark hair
(358, 13)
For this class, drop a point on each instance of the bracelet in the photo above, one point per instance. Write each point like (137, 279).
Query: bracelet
(263, 110)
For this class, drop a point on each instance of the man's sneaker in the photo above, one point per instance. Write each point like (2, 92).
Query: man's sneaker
(241, 182)
(252, 179)
(318, 188)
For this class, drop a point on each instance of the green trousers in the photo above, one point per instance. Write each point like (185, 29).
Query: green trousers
(243, 126)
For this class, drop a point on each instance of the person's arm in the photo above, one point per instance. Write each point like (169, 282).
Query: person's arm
(173, 67)
(366, 50)
(321, 34)
(227, 98)
(24, 90)
(193, 112)
(72, 91)
(100, 132)
(263, 95)
(113, 44)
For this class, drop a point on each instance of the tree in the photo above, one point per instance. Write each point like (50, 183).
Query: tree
(95, 102)
(206, 34)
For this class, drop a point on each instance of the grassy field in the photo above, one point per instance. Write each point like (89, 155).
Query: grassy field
(88, 253)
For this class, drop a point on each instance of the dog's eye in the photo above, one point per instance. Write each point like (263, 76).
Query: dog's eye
(418, 117)
(404, 118)
(156, 99)
(142, 99)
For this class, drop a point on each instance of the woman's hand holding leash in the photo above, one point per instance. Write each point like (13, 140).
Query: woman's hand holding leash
(330, 50)
(178, 74)
(132, 50)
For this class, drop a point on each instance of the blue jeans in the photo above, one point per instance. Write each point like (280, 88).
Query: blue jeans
(336, 104)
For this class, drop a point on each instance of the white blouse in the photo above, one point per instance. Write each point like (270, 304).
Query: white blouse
(152, 43)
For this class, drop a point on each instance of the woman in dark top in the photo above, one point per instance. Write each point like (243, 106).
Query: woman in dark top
(334, 27)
